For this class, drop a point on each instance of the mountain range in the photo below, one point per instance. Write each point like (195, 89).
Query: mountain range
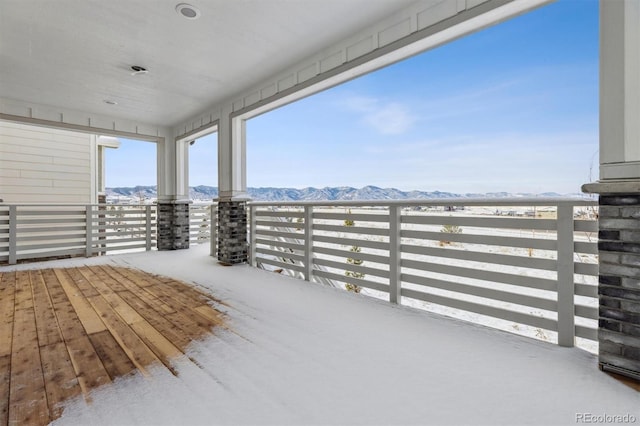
(345, 193)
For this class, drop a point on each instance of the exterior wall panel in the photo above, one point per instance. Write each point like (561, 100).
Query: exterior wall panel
(42, 165)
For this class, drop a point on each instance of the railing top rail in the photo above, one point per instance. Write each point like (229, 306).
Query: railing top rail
(71, 205)
(538, 201)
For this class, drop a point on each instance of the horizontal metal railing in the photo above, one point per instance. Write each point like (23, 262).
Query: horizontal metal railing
(36, 231)
(525, 265)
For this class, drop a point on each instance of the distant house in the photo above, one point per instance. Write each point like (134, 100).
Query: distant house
(45, 165)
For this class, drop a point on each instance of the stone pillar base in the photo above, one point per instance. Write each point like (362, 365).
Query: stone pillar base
(619, 280)
(232, 232)
(173, 225)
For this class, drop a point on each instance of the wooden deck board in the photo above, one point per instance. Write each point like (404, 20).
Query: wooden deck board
(86, 363)
(46, 321)
(7, 303)
(5, 375)
(87, 316)
(64, 332)
(60, 378)
(113, 357)
(27, 396)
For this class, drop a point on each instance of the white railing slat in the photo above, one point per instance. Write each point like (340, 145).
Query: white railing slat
(491, 276)
(280, 254)
(353, 255)
(356, 217)
(489, 240)
(353, 268)
(474, 256)
(351, 242)
(352, 229)
(482, 222)
(284, 265)
(283, 244)
(505, 314)
(360, 282)
(487, 293)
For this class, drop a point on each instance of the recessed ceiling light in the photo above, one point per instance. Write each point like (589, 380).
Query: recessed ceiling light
(137, 70)
(110, 102)
(187, 11)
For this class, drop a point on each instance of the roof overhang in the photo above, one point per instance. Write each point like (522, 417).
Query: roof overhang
(69, 62)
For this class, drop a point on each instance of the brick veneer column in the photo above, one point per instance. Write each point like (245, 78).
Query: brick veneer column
(619, 288)
(173, 225)
(232, 232)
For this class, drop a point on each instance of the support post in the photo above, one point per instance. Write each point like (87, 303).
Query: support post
(232, 232)
(213, 233)
(395, 258)
(253, 252)
(148, 227)
(173, 225)
(308, 243)
(89, 230)
(232, 190)
(566, 290)
(619, 188)
(13, 234)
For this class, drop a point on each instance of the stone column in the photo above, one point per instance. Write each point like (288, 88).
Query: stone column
(619, 281)
(173, 225)
(232, 232)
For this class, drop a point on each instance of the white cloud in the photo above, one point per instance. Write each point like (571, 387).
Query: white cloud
(389, 118)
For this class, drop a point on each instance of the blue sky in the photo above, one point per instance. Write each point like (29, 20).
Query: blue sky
(510, 108)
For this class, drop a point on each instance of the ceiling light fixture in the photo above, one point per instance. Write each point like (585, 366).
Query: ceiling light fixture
(187, 11)
(110, 102)
(137, 70)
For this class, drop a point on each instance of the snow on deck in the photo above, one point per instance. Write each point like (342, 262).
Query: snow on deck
(301, 353)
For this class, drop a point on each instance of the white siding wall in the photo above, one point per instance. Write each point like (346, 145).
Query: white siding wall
(43, 165)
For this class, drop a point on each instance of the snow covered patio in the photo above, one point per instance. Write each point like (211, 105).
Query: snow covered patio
(301, 353)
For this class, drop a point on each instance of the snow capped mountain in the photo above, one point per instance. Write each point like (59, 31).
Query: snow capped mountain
(344, 193)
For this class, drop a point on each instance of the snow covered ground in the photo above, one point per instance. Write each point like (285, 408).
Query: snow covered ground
(301, 353)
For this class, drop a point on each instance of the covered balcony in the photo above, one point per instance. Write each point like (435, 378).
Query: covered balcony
(264, 348)
(290, 352)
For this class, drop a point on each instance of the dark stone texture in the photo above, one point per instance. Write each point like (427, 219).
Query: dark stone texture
(619, 292)
(609, 211)
(619, 282)
(630, 330)
(609, 280)
(630, 212)
(610, 347)
(173, 225)
(620, 270)
(606, 324)
(619, 246)
(630, 260)
(232, 232)
(631, 352)
(619, 200)
(609, 235)
(609, 313)
(610, 303)
(631, 283)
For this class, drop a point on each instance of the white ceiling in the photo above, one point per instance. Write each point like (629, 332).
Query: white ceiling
(76, 54)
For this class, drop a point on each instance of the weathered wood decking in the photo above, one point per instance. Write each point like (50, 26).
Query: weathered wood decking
(64, 332)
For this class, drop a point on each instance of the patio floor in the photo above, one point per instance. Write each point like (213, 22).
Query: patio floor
(291, 352)
(65, 332)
